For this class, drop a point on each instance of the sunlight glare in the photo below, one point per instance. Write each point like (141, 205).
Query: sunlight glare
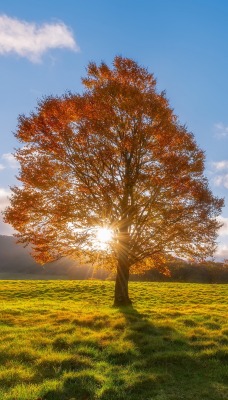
(104, 235)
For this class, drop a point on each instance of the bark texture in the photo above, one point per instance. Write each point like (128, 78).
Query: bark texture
(121, 286)
(122, 275)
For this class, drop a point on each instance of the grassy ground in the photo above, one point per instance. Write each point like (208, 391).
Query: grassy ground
(62, 340)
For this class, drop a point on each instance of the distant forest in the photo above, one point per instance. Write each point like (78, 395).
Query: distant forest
(16, 263)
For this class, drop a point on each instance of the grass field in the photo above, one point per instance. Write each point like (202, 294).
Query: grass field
(63, 340)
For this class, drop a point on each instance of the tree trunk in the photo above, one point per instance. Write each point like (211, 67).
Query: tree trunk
(123, 266)
(121, 286)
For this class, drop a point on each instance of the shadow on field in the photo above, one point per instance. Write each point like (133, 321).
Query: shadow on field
(161, 356)
(161, 364)
(170, 365)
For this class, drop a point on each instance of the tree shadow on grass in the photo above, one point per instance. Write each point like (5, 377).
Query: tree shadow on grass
(155, 362)
(168, 366)
(82, 387)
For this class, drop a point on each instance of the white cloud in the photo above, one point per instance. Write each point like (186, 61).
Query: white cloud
(220, 165)
(223, 231)
(5, 229)
(221, 252)
(221, 130)
(222, 249)
(221, 180)
(10, 160)
(4, 200)
(30, 40)
(220, 173)
(2, 167)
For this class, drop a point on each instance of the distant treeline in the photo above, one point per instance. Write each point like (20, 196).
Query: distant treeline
(181, 271)
(16, 263)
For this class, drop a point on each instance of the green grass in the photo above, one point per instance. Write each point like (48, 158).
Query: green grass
(63, 340)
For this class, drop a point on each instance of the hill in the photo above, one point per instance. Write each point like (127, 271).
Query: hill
(17, 263)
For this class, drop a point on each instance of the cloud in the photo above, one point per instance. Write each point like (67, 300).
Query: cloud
(2, 167)
(30, 40)
(222, 249)
(4, 198)
(221, 180)
(223, 231)
(219, 173)
(221, 252)
(220, 165)
(221, 130)
(5, 229)
(10, 160)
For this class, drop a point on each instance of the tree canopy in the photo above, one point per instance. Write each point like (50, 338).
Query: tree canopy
(117, 157)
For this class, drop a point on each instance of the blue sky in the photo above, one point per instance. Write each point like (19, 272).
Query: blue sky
(45, 47)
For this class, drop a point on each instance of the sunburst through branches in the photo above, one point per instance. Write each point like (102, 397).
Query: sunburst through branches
(103, 237)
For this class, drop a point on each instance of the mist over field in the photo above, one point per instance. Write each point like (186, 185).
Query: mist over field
(17, 263)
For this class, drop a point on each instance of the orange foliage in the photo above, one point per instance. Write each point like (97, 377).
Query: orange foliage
(116, 156)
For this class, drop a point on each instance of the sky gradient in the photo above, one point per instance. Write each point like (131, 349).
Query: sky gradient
(46, 46)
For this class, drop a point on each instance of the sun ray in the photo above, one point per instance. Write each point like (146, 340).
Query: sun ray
(103, 237)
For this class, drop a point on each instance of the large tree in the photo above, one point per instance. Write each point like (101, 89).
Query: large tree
(116, 157)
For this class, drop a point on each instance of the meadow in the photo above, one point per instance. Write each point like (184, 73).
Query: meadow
(63, 340)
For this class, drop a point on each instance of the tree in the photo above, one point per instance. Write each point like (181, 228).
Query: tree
(114, 156)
